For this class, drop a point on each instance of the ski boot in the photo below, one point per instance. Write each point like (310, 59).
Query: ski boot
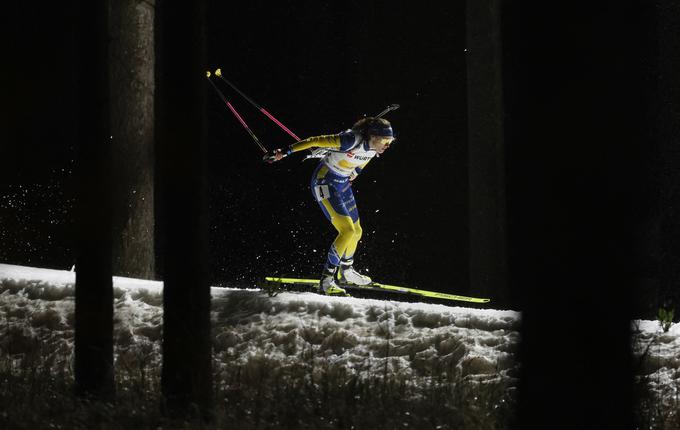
(347, 275)
(328, 287)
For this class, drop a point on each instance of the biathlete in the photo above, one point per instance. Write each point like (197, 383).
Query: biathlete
(347, 154)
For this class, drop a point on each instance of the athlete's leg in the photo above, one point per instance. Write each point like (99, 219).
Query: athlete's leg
(347, 274)
(335, 197)
(345, 238)
(352, 246)
(345, 227)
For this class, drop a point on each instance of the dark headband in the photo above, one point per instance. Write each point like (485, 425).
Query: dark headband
(380, 130)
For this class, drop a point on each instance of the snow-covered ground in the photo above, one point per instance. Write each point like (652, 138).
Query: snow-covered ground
(247, 323)
(249, 327)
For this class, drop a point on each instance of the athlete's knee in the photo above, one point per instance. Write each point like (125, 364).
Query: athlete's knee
(358, 231)
(346, 230)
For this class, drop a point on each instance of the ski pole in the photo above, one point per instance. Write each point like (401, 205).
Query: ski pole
(218, 73)
(236, 114)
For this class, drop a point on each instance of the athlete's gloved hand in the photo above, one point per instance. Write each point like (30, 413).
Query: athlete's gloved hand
(274, 155)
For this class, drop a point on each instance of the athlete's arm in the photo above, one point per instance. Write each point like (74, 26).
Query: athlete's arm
(342, 141)
(330, 141)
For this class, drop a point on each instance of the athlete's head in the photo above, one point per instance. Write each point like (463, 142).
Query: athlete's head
(376, 131)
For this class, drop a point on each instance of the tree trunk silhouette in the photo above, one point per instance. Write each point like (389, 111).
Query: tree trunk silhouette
(486, 151)
(666, 123)
(572, 149)
(181, 149)
(94, 289)
(132, 123)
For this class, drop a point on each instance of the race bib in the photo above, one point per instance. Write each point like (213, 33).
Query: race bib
(321, 192)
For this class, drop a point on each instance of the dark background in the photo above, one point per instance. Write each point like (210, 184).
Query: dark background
(318, 67)
(592, 160)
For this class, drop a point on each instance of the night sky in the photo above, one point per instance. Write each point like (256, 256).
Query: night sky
(318, 67)
(38, 136)
(591, 185)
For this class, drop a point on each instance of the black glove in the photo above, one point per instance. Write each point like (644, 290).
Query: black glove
(274, 155)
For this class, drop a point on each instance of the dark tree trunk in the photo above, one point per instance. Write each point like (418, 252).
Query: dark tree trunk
(132, 122)
(186, 373)
(572, 147)
(665, 66)
(486, 151)
(94, 289)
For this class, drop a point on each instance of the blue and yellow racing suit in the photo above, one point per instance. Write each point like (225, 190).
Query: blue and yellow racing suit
(348, 155)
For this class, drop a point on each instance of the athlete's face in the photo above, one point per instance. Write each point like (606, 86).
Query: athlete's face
(380, 143)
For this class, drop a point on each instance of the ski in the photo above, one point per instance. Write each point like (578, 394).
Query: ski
(374, 287)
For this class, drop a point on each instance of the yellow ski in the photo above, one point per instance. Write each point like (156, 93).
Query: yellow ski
(375, 286)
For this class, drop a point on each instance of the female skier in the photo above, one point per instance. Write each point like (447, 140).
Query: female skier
(346, 155)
